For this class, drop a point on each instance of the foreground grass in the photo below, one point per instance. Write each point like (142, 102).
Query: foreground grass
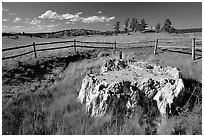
(55, 110)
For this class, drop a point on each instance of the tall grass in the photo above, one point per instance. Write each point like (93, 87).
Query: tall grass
(55, 110)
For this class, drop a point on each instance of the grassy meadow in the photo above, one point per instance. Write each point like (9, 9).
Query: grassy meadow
(39, 95)
(165, 39)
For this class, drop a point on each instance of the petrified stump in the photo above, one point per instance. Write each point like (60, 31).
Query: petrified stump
(122, 85)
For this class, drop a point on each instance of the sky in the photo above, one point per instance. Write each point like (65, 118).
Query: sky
(56, 16)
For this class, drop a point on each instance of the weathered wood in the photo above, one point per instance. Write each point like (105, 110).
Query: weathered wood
(36, 44)
(104, 47)
(121, 55)
(193, 49)
(17, 55)
(94, 47)
(55, 42)
(92, 42)
(34, 49)
(132, 47)
(75, 46)
(155, 47)
(115, 46)
(179, 47)
(7, 49)
(54, 48)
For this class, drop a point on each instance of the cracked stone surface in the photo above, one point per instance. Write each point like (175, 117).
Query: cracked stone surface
(122, 84)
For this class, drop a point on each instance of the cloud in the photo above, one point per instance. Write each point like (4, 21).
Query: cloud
(4, 20)
(33, 22)
(19, 26)
(49, 14)
(6, 10)
(111, 18)
(54, 15)
(17, 19)
(33, 28)
(39, 27)
(71, 18)
(12, 13)
(69, 22)
(50, 26)
(94, 19)
(76, 19)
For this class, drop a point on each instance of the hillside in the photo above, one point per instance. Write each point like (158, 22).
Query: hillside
(84, 32)
(191, 30)
(60, 34)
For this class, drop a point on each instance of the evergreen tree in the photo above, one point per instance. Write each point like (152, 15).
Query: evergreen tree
(139, 27)
(126, 25)
(117, 27)
(134, 24)
(158, 27)
(167, 25)
(143, 25)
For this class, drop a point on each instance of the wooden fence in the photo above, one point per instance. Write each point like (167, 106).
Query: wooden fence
(113, 46)
(193, 47)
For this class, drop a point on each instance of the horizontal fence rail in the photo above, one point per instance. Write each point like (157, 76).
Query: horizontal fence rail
(113, 45)
(55, 42)
(17, 55)
(54, 48)
(136, 47)
(86, 42)
(20, 47)
(180, 47)
(99, 47)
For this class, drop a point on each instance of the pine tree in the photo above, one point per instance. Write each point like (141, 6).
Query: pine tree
(126, 25)
(167, 25)
(158, 27)
(143, 25)
(117, 27)
(133, 24)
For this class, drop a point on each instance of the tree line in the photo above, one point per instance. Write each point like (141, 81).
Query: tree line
(134, 25)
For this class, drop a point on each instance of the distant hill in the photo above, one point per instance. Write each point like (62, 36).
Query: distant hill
(61, 34)
(191, 30)
(84, 32)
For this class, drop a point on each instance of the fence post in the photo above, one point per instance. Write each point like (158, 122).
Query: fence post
(115, 46)
(121, 55)
(34, 49)
(193, 49)
(155, 48)
(74, 46)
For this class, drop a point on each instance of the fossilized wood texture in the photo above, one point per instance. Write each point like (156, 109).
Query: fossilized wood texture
(122, 85)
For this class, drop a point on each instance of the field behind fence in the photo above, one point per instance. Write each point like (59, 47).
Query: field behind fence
(76, 46)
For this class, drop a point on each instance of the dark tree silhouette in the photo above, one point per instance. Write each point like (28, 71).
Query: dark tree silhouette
(158, 27)
(134, 24)
(117, 27)
(126, 25)
(139, 27)
(168, 26)
(143, 25)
